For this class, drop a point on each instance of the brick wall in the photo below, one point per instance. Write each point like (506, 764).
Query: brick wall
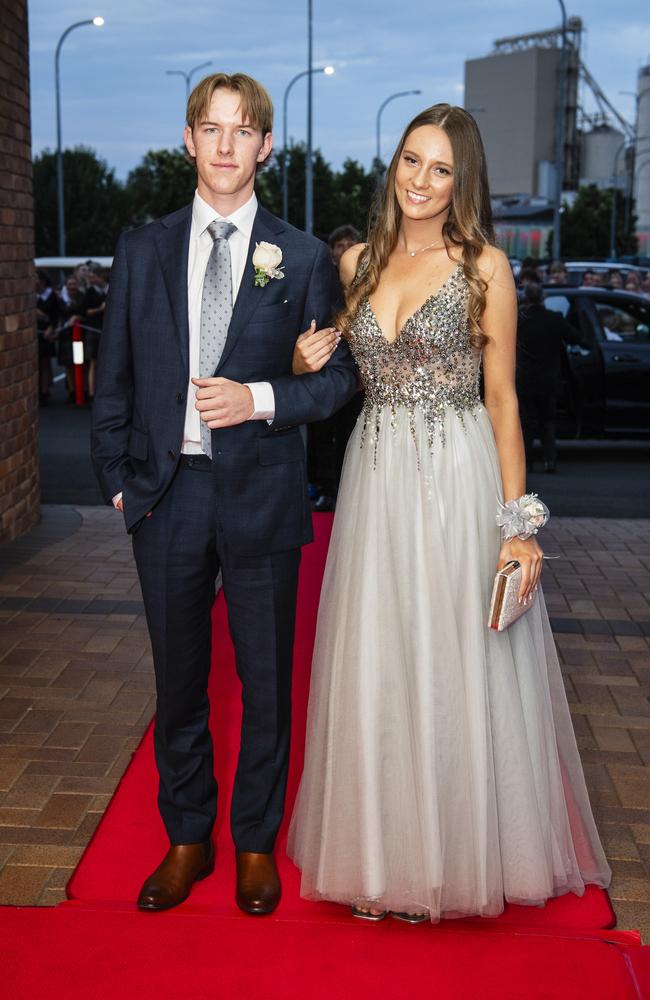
(19, 491)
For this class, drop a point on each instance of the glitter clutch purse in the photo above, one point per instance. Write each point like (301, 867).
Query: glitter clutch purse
(504, 606)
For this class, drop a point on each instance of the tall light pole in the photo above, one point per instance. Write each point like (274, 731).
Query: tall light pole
(393, 97)
(97, 22)
(612, 224)
(327, 70)
(559, 139)
(309, 166)
(188, 76)
(629, 194)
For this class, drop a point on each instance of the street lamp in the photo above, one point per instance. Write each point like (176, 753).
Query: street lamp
(559, 139)
(97, 22)
(309, 166)
(612, 226)
(188, 76)
(638, 97)
(393, 97)
(327, 70)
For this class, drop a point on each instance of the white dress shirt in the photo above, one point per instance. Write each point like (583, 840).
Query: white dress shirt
(201, 244)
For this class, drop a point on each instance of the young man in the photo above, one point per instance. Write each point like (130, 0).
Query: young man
(196, 438)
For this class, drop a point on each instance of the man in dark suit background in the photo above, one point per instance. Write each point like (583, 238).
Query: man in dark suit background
(541, 336)
(206, 460)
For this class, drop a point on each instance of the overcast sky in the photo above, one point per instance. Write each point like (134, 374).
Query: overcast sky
(117, 98)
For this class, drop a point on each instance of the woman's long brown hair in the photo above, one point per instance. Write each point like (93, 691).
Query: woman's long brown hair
(469, 223)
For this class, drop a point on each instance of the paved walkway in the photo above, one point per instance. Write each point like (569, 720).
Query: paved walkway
(76, 689)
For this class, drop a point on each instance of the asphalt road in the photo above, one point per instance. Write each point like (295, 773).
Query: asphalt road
(594, 478)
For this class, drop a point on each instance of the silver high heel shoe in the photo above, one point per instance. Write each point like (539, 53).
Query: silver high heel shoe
(410, 918)
(367, 915)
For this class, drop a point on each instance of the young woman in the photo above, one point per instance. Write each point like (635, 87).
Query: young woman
(442, 776)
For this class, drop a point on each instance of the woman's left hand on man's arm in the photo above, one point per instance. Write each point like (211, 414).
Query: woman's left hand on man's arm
(314, 348)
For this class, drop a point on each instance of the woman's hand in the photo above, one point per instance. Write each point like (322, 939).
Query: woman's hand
(530, 556)
(314, 348)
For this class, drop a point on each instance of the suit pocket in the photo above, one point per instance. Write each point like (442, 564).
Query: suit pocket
(138, 444)
(271, 312)
(284, 448)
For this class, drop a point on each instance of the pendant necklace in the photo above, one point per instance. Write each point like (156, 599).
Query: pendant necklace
(414, 253)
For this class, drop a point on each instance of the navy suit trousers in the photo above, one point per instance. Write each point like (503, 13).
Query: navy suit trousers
(179, 551)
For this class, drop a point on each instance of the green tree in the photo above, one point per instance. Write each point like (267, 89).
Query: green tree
(355, 195)
(95, 204)
(164, 181)
(585, 227)
(339, 197)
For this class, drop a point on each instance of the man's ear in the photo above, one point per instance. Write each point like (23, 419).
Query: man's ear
(189, 141)
(266, 148)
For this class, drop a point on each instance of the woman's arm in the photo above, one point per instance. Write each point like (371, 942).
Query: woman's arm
(315, 347)
(499, 324)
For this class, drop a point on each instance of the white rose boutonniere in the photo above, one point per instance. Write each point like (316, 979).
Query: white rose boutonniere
(266, 261)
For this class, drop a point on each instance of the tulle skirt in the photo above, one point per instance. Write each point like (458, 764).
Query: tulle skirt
(441, 771)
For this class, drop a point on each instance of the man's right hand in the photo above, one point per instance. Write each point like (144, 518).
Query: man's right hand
(314, 348)
(119, 505)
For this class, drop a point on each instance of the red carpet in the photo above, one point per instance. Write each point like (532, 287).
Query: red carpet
(106, 955)
(208, 948)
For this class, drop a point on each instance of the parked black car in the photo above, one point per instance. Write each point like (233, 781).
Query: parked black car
(606, 387)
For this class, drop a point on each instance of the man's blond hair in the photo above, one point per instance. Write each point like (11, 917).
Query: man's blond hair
(256, 105)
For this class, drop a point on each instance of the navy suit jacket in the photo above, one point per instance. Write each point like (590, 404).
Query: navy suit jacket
(259, 470)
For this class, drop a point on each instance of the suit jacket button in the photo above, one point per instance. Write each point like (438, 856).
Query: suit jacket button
(172, 455)
(180, 398)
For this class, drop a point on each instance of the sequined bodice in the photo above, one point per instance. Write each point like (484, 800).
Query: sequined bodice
(430, 366)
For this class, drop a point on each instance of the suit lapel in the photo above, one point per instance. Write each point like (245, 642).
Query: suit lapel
(173, 243)
(265, 227)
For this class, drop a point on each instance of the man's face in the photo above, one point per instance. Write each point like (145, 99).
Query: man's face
(339, 248)
(227, 150)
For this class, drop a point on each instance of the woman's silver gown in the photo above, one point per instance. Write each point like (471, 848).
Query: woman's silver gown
(441, 769)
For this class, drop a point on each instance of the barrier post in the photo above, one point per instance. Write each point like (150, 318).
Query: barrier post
(78, 362)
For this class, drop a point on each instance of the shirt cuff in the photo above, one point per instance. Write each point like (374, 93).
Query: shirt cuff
(263, 401)
(116, 500)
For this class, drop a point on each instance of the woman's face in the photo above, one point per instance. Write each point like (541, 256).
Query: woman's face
(424, 179)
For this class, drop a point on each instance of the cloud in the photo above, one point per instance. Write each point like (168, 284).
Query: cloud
(114, 86)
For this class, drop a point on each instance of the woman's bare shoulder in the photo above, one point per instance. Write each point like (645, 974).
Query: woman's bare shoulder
(494, 264)
(349, 261)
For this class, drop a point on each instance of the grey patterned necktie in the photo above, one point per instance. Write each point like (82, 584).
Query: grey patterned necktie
(216, 310)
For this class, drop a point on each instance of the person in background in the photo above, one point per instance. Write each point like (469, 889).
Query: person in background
(541, 336)
(527, 276)
(531, 264)
(645, 286)
(590, 279)
(633, 282)
(93, 305)
(71, 309)
(614, 280)
(340, 240)
(47, 314)
(557, 273)
(327, 438)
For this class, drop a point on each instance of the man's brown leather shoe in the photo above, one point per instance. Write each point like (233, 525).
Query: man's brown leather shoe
(170, 884)
(258, 883)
